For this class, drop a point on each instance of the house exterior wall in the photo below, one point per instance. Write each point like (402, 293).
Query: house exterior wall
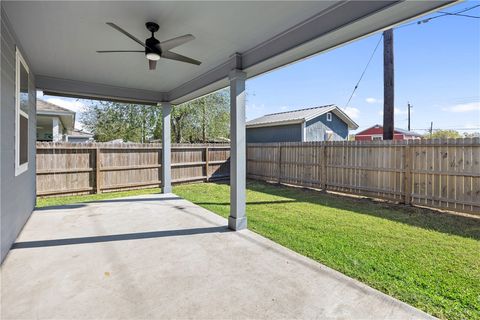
(44, 129)
(377, 132)
(285, 133)
(17, 193)
(50, 128)
(317, 129)
(370, 137)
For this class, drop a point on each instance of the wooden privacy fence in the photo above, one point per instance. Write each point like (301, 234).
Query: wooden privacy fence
(434, 173)
(66, 168)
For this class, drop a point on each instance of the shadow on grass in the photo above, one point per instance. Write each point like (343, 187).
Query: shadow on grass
(441, 221)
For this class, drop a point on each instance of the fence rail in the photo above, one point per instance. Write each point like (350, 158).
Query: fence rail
(435, 173)
(65, 168)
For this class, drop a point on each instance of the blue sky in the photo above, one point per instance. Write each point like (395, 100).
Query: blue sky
(437, 70)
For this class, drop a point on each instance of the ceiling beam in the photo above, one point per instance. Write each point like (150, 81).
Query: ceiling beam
(208, 82)
(96, 91)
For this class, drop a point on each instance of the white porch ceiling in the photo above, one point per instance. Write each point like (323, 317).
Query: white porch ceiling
(59, 39)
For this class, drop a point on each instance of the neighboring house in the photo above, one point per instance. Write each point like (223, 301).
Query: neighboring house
(376, 133)
(53, 122)
(78, 136)
(324, 123)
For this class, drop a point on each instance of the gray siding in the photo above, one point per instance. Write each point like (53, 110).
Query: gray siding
(17, 193)
(286, 133)
(316, 128)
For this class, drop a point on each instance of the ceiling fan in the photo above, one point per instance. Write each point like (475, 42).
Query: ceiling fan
(154, 49)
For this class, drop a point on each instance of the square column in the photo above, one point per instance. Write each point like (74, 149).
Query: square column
(56, 134)
(166, 148)
(237, 219)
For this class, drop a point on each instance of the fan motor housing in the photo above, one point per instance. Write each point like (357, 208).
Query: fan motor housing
(151, 46)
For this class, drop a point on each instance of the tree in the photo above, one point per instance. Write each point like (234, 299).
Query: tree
(129, 122)
(201, 120)
(444, 134)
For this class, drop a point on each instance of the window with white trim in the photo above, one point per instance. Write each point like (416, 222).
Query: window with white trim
(377, 137)
(22, 105)
(329, 116)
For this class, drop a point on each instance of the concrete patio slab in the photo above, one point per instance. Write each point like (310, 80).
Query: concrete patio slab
(160, 256)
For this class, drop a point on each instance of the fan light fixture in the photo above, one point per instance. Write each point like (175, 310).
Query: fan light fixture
(154, 49)
(153, 56)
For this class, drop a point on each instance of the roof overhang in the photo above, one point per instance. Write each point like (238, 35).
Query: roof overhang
(60, 46)
(67, 118)
(276, 123)
(352, 125)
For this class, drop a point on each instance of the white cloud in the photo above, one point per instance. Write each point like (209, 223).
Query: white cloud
(464, 107)
(352, 112)
(373, 100)
(70, 104)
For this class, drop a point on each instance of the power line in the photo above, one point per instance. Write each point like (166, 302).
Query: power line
(446, 128)
(458, 13)
(461, 15)
(443, 14)
(364, 70)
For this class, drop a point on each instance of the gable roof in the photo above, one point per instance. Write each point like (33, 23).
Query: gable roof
(396, 130)
(44, 107)
(48, 109)
(300, 116)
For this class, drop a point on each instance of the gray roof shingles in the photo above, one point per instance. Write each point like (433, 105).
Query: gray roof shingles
(290, 116)
(50, 107)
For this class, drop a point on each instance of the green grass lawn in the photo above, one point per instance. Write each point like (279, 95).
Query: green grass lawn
(430, 260)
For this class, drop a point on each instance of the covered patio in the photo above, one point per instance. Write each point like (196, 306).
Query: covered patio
(159, 256)
(234, 41)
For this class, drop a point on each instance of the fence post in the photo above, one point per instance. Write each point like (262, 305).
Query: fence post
(207, 155)
(324, 166)
(279, 171)
(407, 174)
(98, 188)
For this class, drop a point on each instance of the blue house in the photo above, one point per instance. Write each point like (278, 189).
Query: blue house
(324, 123)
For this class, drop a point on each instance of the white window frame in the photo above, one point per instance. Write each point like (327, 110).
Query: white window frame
(19, 169)
(377, 137)
(329, 116)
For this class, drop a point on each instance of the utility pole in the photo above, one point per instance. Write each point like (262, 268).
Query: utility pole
(409, 107)
(431, 129)
(388, 85)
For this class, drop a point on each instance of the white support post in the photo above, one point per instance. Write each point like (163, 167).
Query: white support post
(166, 154)
(237, 219)
(56, 134)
